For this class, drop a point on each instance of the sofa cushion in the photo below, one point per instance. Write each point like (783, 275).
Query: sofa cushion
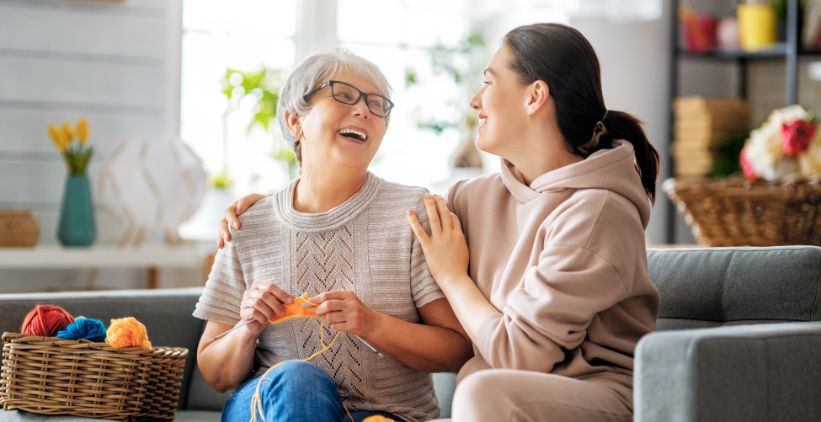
(732, 286)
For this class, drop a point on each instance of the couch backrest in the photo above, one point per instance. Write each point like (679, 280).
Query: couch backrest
(166, 314)
(723, 286)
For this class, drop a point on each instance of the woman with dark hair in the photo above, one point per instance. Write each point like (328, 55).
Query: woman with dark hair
(554, 292)
(553, 289)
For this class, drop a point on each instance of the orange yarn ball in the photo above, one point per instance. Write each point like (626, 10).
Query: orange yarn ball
(127, 332)
(46, 320)
(378, 418)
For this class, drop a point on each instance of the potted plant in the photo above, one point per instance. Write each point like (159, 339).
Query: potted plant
(461, 65)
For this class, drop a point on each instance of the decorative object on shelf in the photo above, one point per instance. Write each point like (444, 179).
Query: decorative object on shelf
(757, 24)
(787, 144)
(707, 132)
(738, 212)
(76, 226)
(812, 25)
(699, 30)
(18, 229)
(727, 34)
(149, 188)
(779, 203)
(460, 65)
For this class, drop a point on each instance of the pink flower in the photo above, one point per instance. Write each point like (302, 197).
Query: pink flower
(746, 166)
(797, 136)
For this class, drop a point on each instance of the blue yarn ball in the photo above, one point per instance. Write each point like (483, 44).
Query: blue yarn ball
(84, 328)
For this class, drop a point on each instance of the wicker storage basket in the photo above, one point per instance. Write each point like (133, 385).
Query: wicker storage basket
(54, 376)
(733, 211)
(18, 228)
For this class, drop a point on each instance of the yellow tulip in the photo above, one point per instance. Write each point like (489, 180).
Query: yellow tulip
(68, 132)
(54, 133)
(57, 138)
(82, 130)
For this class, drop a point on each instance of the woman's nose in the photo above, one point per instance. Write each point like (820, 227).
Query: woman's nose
(361, 109)
(474, 102)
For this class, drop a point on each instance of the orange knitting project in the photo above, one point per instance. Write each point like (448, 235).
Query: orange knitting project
(301, 307)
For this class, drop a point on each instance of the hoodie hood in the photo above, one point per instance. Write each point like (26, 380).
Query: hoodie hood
(611, 169)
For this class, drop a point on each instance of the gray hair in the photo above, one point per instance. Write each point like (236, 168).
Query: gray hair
(314, 71)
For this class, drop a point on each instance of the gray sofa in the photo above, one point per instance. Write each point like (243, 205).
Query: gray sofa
(739, 337)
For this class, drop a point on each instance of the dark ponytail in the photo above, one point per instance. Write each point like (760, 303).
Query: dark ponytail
(563, 58)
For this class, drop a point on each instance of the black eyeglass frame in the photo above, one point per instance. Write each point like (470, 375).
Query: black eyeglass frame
(332, 82)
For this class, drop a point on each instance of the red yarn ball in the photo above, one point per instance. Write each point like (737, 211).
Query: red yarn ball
(46, 321)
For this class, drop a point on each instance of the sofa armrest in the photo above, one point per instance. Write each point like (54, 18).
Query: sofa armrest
(761, 372)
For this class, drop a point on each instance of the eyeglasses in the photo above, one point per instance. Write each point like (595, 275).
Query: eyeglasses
(346, 93)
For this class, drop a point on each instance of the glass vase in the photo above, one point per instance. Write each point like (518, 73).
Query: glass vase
(77, 226)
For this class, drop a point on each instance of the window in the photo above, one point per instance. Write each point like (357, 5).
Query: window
(391, 33)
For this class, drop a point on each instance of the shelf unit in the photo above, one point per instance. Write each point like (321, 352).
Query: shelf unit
(150, 258)
(789, 51)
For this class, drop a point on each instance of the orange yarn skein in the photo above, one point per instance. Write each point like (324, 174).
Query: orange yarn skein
(127, 332)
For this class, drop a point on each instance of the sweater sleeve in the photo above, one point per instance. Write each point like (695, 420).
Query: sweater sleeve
(423, 288)
(549, 312)
(222, 295)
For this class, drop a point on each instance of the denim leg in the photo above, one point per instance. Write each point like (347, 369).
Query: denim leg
(294, 391)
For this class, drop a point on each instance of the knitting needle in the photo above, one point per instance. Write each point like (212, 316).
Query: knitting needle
(369, 346)
(226, 332)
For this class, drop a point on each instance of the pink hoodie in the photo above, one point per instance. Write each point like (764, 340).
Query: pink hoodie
(564, 262)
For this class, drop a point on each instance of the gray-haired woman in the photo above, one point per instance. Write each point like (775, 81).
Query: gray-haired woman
(339, 234)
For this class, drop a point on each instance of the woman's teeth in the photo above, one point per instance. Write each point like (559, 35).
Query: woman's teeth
(353, 133)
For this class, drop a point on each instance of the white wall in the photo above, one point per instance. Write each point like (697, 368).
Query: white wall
(116, 63)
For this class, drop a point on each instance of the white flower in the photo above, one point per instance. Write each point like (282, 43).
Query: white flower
(810, 161)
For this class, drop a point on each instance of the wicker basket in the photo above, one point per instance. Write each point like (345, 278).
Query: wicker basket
(18, 228)
(733, 211)
(53, 376)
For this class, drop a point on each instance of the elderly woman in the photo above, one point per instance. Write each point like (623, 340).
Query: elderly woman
(339, 234)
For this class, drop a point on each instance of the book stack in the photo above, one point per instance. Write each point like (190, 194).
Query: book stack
(701, 126)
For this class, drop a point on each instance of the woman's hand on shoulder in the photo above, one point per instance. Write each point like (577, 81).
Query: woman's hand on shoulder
(261, 303)
(232, 214)
(446, 250)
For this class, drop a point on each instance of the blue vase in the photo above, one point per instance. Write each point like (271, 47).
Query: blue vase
(77, 227)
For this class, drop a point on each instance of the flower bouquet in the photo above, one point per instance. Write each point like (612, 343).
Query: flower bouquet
(76, 225)
(777, 202)
(787, 145)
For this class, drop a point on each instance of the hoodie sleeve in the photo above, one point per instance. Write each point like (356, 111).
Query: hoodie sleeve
(550, 310)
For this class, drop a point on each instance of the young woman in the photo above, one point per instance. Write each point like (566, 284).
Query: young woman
(339, 234)
(553, 289)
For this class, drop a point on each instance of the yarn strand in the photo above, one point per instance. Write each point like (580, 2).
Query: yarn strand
(256, 401)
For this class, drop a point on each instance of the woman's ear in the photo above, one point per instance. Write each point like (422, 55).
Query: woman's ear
(294, 124)
(538, 96)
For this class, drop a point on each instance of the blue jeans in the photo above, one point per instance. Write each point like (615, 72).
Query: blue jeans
(295, 391)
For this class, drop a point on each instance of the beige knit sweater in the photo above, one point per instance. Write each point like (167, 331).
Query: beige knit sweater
(364, 245)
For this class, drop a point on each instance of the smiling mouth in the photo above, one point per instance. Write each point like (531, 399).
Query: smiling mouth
(353, 134)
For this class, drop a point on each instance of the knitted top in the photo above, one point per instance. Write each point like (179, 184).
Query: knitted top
(365, 245)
